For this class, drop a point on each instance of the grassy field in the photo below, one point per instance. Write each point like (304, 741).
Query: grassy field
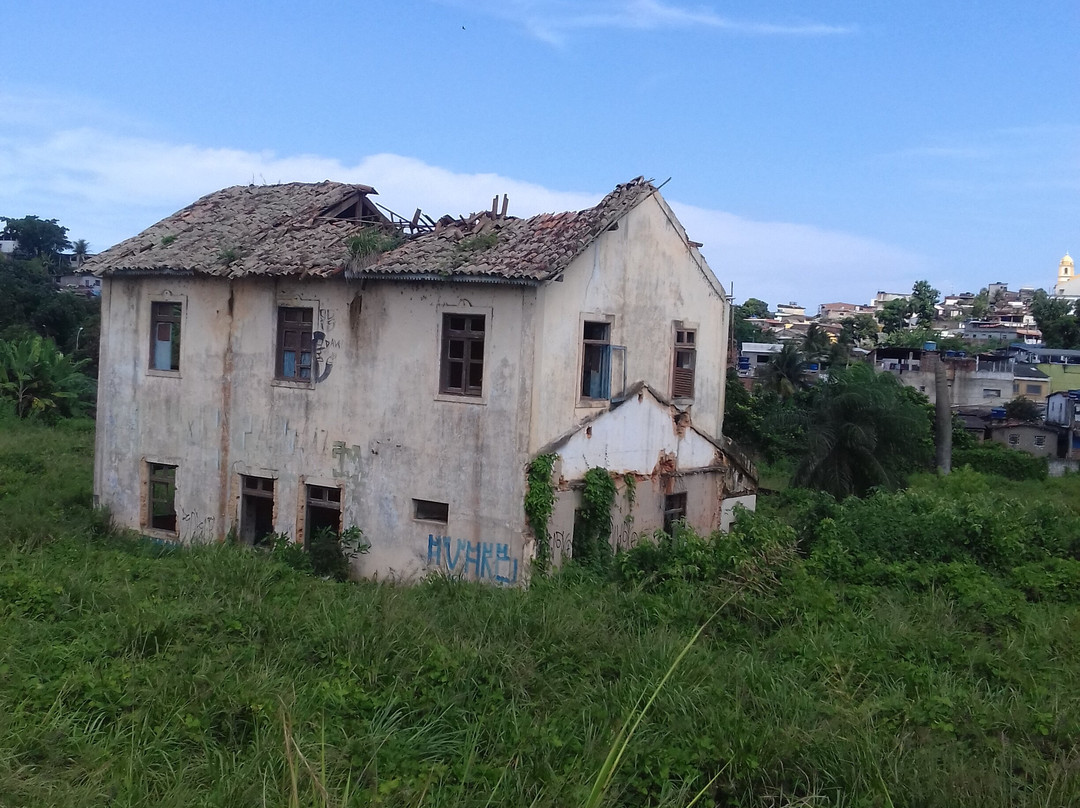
(132, 674)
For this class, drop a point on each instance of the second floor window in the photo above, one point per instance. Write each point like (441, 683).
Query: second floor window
(165, 336)
(596, 360)
(294, 350)
(462, 371)
(682, 375)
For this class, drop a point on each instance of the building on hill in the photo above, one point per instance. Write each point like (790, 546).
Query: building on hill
(1067, 285)
(291, 357)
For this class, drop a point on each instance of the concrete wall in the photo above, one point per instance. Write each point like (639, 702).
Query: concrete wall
(643, 277)
(374, 424)
(1026, 436)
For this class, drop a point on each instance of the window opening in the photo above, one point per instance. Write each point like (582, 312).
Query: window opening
(294, 349)
(462, 354)
(674, 511)
(429, 511)
(991, 393)
(1032, 389)
(165, 336)
(1014, 439)
(1040, 440)
(256, 509)
(596, 360)
(682, 380)
(323, 510)
(162, 482)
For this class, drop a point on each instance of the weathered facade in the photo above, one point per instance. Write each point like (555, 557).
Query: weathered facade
(268, 364)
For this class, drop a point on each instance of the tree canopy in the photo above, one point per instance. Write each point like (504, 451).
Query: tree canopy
(37, 238)
(1057, 320)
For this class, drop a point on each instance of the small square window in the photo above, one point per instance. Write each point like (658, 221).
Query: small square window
(674, 511)
(1040, 440)
(161, 499)
(165, 336)
(1032, 389)
(596, 360)
(462, 365)
(294, 349)
(428, 511)
(1014, 439)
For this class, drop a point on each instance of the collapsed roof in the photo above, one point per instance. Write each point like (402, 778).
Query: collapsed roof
(330, 228)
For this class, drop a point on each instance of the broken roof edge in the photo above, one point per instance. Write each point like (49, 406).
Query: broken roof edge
(725, 445)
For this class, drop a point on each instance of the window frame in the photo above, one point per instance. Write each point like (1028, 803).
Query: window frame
(159, 318)
(161, 474)
(684, 378)
(675, 509)
(286, 328)
(468, 337)
(430, 510)
(264, 490)
(333, 501)
(591, 346)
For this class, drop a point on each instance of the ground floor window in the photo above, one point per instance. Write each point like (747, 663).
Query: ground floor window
(323, 510)
(162, 497)
(256, 509)
(674, 511)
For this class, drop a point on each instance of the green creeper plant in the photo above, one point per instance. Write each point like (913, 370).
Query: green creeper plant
(539, 502)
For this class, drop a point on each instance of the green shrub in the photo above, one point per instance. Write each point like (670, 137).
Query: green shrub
(993, 458)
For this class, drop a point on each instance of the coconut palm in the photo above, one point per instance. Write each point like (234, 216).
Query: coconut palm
(816, 343)
(865, 430)
(81, 248)
(785, 374)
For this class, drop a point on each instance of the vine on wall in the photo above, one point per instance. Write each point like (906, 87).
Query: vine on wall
(539, 502)
(592, 532)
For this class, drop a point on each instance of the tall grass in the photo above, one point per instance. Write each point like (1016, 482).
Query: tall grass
(213, 676)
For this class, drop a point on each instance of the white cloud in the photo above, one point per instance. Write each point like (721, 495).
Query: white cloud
(782, 262)
(107, 187)
(552, 20)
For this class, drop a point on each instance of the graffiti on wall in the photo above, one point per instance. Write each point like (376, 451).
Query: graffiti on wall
(326, 347)
(196, 525)
(481, 560)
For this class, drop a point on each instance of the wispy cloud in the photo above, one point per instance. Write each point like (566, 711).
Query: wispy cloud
(553, 20)
(106, 187)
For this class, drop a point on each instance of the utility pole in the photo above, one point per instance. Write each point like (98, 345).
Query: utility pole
(942, 415)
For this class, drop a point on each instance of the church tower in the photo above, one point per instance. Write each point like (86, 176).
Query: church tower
(1066, 274)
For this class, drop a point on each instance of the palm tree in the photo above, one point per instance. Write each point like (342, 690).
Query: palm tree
(81, 248)
(785, 374)
(42, 381)
(816, 343)
(865, 430)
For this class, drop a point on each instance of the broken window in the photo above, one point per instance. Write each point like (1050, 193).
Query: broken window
(165, 336)
(674, 511)
(162, 497)
(323, 510)
(682, 377)
(429, 511)
(256, 509)
(462, 370)
(596, 360)
(294, 349)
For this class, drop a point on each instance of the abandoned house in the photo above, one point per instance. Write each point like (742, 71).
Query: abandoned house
(275, 359)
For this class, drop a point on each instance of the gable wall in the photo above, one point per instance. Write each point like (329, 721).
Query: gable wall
(644, 276)
(375, 424)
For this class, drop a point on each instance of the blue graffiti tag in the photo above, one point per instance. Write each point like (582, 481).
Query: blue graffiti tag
(482, 560)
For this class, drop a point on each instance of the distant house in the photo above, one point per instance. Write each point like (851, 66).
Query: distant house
(1036, 439)
(835, 312)
(1030, 382)
(292, 357)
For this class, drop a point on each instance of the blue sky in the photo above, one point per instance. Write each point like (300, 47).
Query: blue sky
(820, 151)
